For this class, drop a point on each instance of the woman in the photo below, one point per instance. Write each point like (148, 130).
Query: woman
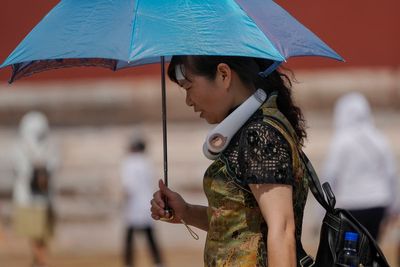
(256, 188)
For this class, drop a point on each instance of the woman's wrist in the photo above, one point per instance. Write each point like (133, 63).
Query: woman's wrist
(186, 212)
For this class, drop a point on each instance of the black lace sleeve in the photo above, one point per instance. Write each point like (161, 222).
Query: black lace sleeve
(265, 156)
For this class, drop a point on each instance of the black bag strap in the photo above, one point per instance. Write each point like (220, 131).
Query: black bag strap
(314, 183)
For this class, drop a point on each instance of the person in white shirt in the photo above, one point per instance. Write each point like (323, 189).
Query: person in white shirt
(360, 166)
(137, 182)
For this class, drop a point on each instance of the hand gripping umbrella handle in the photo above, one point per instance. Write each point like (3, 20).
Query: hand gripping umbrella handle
(168, 212)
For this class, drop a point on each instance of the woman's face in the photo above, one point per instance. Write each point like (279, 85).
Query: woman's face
(208, 97)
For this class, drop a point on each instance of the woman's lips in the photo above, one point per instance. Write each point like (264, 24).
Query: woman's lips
(201, 112)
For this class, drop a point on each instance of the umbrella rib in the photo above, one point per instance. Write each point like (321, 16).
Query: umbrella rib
(135, 10)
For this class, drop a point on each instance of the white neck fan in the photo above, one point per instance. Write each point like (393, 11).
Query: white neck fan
(218, 138)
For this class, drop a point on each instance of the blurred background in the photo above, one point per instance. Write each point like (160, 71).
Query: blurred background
(92, 113)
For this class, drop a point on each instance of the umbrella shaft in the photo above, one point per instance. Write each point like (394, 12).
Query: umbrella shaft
(168, 211)
(164, 120)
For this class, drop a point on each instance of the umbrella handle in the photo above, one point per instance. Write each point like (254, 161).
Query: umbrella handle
(168, 212)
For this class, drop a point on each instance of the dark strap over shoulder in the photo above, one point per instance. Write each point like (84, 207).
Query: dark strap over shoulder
(314, 183)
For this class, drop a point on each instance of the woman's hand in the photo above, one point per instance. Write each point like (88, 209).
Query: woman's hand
(175, 202)
(194, 215)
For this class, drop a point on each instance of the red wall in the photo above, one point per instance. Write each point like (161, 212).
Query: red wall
(365, 32)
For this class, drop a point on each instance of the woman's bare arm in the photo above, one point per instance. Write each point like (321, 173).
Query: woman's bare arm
(275, 202)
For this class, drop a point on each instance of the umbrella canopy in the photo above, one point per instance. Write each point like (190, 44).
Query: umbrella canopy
(123, 33)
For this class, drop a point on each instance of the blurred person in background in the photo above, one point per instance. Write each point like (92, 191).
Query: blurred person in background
(35, 161)
(360, 165)
(138, 186)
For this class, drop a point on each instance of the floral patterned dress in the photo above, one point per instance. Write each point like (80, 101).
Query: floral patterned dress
(261, 152)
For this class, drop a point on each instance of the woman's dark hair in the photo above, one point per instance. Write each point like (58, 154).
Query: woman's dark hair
(247, 68)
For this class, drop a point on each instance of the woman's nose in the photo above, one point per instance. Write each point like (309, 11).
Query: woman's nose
(188, 100)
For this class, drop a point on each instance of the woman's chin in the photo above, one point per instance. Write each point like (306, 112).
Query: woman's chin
(208, 120)
(212, 121)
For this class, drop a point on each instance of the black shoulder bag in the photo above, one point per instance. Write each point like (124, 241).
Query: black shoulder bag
(334, 225)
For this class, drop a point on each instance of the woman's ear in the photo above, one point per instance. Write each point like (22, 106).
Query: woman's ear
(224, 75)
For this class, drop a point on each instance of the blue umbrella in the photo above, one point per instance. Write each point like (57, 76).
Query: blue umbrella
(124, 33)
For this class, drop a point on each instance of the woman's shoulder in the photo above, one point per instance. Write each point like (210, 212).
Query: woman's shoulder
(261, 130)
(265, 154)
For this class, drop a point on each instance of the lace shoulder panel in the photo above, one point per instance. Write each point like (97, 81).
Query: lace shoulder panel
(264, 155)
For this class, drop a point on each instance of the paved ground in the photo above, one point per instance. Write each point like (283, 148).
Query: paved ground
(181, 257)
(178, 257)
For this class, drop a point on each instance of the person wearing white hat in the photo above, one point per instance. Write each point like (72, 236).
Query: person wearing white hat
(35, 161)
(360, 165)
